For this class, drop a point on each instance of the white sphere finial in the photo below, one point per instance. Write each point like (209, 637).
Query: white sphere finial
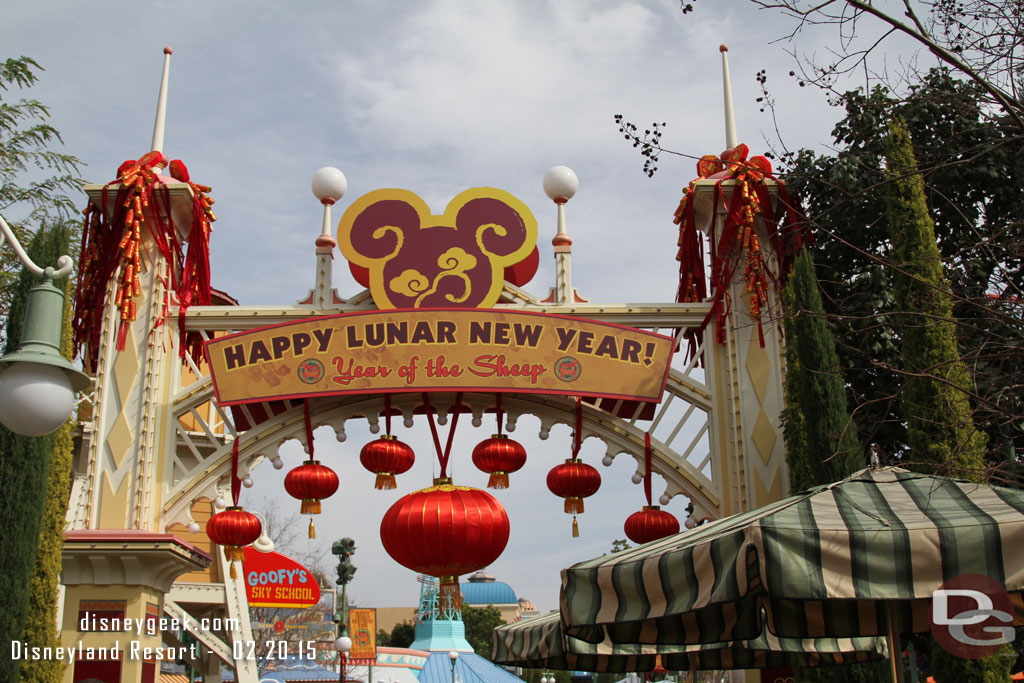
(343, 644)
(329, 185)
(560, 184)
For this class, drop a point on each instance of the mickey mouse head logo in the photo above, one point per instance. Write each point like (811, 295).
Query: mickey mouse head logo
(419, 260)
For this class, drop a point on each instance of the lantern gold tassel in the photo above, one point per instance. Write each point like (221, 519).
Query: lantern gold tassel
(574, 505)
(312, 529)
(498, 480)
(385, 482)
(575, 527)
(233, 572)
(310, 506)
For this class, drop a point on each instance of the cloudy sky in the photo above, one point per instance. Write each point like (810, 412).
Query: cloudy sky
(434, 97)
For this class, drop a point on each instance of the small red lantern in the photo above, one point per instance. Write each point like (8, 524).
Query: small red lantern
(498, 456)
(311, 482)
(574, 480)
(386, 457)
(445, 531)
(650, 524)
(234, 528)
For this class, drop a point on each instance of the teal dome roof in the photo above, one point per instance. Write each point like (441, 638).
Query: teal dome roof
(488, 593)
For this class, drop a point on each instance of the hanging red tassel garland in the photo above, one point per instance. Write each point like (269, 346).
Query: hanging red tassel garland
(738, 241)
(111, 250)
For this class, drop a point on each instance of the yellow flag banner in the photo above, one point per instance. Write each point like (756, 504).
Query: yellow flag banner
(439, 350)
(362, 628)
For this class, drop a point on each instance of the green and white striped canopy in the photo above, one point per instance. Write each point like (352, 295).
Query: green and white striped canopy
(540, 642)
(829, 562)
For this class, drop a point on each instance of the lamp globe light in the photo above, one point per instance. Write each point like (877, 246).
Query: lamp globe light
(37, 398)
(560, 183)
(329, 184)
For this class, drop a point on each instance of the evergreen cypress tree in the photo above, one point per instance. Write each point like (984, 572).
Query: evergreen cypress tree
(24, 471)
(821, 440)
(934, 398)
(40, 622)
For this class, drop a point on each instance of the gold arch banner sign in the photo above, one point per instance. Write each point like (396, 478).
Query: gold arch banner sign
(439, 350)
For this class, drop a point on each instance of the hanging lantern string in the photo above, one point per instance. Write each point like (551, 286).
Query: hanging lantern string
(442, 456)
(498, 411)
(577, 437)
(647, 466)
(309, 427)
(387, 414)
(236, 483)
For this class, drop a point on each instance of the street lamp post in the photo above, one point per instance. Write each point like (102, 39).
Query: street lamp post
(344, 549)
(453, 656)
(37, 384)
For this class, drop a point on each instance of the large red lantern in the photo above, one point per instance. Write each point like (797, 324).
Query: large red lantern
(311, 482)
(386, 457)
(233, 528)
(498, 456)
(650, 524)
(574, 480)
(445, 531)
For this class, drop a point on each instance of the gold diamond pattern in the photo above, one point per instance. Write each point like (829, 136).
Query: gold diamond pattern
(763, 436)
(119, 439)
(126, 368)
(769, 494)
(759, 368)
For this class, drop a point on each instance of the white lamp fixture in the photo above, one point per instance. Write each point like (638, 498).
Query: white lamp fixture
(560, 184)
(263, 544)
(329, 185)
(37, 384)
(343, 644)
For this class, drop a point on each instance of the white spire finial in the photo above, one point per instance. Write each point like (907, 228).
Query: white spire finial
(161, 104)
(730, 115)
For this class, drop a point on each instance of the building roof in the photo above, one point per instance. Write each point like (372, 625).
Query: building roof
(469, 668)
(488, 593)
